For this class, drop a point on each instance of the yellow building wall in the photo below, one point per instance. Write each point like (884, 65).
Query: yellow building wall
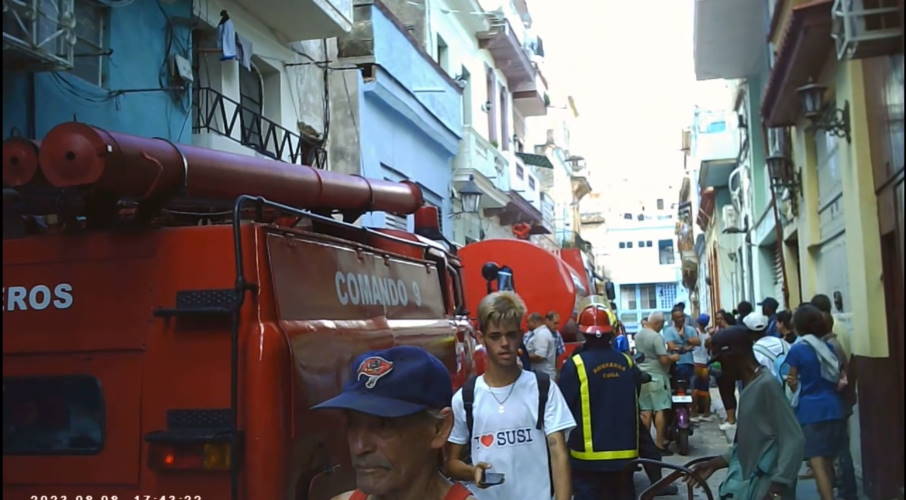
(867, 335)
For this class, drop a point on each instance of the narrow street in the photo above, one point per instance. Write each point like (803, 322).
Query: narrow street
(709, 440)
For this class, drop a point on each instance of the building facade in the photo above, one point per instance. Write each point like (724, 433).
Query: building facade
(172, 76)
(634, 245)
(408, 122)
(822, 104)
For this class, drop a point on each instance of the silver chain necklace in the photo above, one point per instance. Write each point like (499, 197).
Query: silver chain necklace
(500, 408)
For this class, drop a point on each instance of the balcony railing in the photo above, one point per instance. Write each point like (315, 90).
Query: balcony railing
(215, 112)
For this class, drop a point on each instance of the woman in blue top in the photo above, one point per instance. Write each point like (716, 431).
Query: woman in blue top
(814, 367)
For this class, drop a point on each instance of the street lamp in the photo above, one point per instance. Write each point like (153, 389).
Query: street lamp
(823, 117)
(470, 195)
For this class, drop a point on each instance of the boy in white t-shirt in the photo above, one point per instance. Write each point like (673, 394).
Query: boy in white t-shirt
(505, 411)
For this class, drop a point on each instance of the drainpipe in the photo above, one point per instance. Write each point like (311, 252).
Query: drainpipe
(778, 229)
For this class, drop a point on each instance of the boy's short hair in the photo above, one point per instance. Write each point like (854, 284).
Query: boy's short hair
(535, 318)
(551, 314)
(500, 307)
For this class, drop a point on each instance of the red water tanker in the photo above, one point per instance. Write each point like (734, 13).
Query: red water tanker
(544, 281)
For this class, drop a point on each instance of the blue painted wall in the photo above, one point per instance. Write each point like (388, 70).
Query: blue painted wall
(407, 134)
(137, 35)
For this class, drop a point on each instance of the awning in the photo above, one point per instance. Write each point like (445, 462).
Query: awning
(728, 38)
(803, 52)
(536, 160)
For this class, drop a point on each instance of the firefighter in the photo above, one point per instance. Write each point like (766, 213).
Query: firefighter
(599, 385)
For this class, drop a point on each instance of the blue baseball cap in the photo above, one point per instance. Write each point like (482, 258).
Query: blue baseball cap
(394, 382)
(703, 319)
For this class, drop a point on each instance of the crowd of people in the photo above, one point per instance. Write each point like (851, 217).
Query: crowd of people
(805, 407)
(524, 429)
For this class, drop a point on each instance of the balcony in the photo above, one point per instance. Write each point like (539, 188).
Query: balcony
(213, 112)
(532, 100)
(518, 210)
(509, 55)
(728, 38)
(303, 19)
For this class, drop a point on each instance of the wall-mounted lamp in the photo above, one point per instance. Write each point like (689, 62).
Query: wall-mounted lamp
(470, 197)
(823, 116)
(781, 174)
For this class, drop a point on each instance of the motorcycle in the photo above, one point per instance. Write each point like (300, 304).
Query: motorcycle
(679, 426)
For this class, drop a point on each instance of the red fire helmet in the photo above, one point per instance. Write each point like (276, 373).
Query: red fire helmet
(596, 319)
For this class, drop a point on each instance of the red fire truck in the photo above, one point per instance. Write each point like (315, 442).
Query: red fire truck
(165, 333)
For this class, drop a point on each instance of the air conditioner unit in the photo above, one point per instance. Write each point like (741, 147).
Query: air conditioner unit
(729, 216)
(861, 31)
(38, 35)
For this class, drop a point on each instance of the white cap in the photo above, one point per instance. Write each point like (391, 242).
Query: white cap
(755, 321)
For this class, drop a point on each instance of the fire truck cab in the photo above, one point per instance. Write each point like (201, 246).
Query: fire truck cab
(161, 340)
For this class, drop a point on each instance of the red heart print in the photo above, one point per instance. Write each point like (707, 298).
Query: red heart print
(487, 440)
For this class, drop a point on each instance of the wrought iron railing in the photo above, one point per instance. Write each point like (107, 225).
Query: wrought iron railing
(215, 112)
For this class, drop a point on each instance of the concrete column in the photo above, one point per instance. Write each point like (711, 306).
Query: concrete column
(863, 244)
(809, 225)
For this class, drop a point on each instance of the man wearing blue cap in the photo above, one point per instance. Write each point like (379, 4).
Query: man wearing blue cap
(397, 404)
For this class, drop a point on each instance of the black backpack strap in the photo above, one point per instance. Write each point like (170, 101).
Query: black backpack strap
(468, 401)
(544, 385)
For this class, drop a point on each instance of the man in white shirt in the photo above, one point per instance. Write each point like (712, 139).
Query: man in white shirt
(504, 436)
(767, 348)
(542, 347)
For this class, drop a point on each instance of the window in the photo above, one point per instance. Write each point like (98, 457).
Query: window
(648, 296)
(648, 243)
(666, 295)
(660, 203)
(442, 53)
(622, 244)
(251, 98)
(90, 23)
(715, 127)
(627, 216)
(531, 183)
(641, 244)
(396, 222)
(627, 297)
(490, 105)
(466, 96)
(628, 244)
(504, 119)
(665, 252)
(52, 415)
(520, 172)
